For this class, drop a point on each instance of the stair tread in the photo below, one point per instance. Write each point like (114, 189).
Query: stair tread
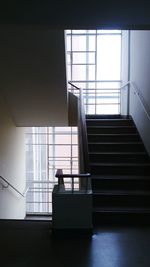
(118, 153)
(110, 116)
(121, 209)
(113, 134)
(115, 143)
(119, 177)
(119, 164)
(111, 126)
(122, 192)
(108, 119)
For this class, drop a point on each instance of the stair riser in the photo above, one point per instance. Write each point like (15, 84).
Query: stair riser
(97, 122)
(116, 148)
(106, 117)
(121, 201)
(110, 130)
(99, 184)
(111, 170)
(120, 219)
(113, 138)
(118, 158)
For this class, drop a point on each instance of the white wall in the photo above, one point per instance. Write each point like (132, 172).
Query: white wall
(33, 75)
(140, 76)
(12, 165)
(124, 71)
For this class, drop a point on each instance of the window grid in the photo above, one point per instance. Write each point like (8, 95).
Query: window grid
(47, 143)
(85, 73)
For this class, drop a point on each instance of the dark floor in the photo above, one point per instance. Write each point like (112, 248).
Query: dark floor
(31, 244)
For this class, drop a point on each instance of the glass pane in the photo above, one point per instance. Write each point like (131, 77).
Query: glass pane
(78, 31)
(79, 43)
(69, 72)
(103, 109)
(62, 139)
(68, 43)
(91, 109)
(68, 58)
(68, 31)
(79, 72)
(91, 58)
(83, 58)
(79, 58)
(109, 31)
(62, 151)
(91, 31)
(92, 43)
(108, 57)
(108, 85)
(62, 129)
(91, 70)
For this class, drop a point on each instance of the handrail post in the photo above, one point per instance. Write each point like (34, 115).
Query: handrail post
(128, 99)
(59, 175)
(73, 184)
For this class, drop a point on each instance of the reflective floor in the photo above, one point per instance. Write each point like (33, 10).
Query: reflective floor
(32, 244)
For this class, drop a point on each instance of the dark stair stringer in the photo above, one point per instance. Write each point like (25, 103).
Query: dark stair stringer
(120, 170)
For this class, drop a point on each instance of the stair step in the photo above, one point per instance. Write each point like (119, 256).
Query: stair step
(121, 193)
(110, 122)
(121, 216)
(120, 177)
(114, 182)
(116, 147)
(121, 198)
(121, 210)
(113, 116)
(118, 157)
(133, 137)
(120, 168)
(110, 129)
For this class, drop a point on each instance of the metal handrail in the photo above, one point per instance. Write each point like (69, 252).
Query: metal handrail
(137, 93)
(14, 188)
(61, 176)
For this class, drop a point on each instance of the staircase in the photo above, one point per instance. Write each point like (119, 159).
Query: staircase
(120, 170)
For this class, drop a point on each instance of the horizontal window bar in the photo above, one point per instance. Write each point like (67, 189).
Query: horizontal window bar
(91, 34)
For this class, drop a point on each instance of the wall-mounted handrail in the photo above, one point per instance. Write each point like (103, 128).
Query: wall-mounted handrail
(61, 176)
(14, 188)
(130, 83)
(73, 85)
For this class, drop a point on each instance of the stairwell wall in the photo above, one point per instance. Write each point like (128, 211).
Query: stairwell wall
(140, 76)
(12, 165)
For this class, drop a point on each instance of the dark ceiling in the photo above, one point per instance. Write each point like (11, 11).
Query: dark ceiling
(123, 14)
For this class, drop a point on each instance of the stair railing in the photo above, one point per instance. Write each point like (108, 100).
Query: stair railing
(84, 171)
(131, 85)
(13, 187)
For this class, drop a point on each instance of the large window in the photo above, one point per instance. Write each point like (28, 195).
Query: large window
(94, 64)
(48, 149)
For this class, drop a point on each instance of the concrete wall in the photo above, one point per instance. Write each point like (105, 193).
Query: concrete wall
(12, 165)
(140, 76)
(33, 75)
